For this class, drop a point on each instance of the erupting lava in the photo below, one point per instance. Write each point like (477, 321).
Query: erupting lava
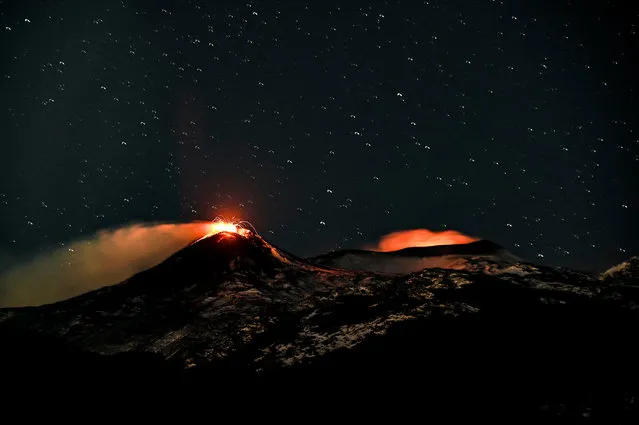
(220, 225)
(421, 237)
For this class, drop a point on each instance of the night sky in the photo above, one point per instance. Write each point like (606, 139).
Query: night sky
(325, 124)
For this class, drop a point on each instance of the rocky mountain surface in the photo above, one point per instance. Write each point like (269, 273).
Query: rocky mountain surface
(236, 321)
(414, 259)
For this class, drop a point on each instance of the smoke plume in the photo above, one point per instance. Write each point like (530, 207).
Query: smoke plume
(421, 237)
(104, 259)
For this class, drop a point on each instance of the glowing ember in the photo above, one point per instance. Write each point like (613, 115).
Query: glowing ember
(220, 225)
(422, 237)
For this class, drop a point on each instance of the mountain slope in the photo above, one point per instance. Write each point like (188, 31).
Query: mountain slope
(409, 260)
(233, 315)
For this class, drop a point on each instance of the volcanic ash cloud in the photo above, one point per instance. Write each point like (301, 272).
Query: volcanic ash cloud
(107, 258)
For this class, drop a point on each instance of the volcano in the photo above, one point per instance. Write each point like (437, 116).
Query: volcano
(458, 332)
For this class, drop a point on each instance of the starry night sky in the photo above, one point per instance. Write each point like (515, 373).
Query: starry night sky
(325, 124)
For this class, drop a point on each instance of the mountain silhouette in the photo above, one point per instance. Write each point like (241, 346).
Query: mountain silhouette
(413, 259)
(235, 322)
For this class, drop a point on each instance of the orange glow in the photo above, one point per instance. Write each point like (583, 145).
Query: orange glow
(220, 225)
(421, 237)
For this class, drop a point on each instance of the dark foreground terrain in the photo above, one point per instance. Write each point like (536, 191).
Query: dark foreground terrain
(231, 324)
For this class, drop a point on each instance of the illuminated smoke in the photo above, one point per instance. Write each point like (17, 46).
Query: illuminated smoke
(421, 237)
(104, 259)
